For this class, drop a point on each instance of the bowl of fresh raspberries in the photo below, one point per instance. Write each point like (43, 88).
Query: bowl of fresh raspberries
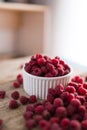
(42, 72)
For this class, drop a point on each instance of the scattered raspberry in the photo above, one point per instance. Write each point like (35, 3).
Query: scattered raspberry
(20, 78)
(50, 98)
(52, 91)
(32, 99)
(76, 103)
(13, 104)
(59, 89)
(39, 109)
(28, 115)
(15, 95)
(82, 110)
(30, 124)
(75, 125)
(65, 123)
(70, 89)
(24, 100)
(2, 94)
(71, 96)
(46, 115)
(82, 91)
(1, 122)
(16, 84)
(58, 102)
(43, 123)
(81, 99)
(30, 108)
(85, 85)
(38, 118)
(49, 107)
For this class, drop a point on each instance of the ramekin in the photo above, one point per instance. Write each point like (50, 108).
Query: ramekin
(34, 85)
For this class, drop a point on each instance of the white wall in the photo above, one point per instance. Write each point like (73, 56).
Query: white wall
(69, 29)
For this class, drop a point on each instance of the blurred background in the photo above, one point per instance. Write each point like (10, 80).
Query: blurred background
(53, 27)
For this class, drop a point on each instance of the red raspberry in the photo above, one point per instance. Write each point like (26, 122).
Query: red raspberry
(13, 104)
(1, 122)
(50, 67)
(24, 100)
(71, 96)
(41, 61)
(85, 85)
(48, 60)
(66, 71)
(46, 115)
(49, 107)
(54, 72)
(85, 116)
(66, 67)
(54, 120)
(2, 94)
(52, 91)
(38, 56)
(76, 103)
(48, 74)
(62, 62)
(65, 98)
(82, 110)
(55, 62)
(20, 78)
(61, 112)
(30, 124)
(77, 79)
(16, 84)
(75, 125)
(82, 91)
(32, 99)
(58, 102)
(15, 95)
(65, 123)
(36, 72)
(71, 110)
(84, 125)
(77, 117)
(28, 115)
(60, 72)
(50, 98)
(30, 108)
(38, 118)
(70, 89)
(59, 89)
(39, 109)
(81, 99)
(43, 69)
(73, 84)
(54, 126)
(43, 123)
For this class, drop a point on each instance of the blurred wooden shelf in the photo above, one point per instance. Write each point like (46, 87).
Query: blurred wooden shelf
(21, 7)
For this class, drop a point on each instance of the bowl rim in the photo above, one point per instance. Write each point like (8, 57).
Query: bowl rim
(47, 78)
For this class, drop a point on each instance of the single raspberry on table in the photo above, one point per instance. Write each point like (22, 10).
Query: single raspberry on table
(39, 109)
(16, 84)
(24, 100)
(15, 95)
(20, 78)
(58, 102)
(30, 108)
(13, 104)
(70, 89)
(32, 99)
(2, 94)
(28, 115)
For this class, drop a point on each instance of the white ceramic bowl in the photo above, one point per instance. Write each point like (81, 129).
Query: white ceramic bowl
(34, 85)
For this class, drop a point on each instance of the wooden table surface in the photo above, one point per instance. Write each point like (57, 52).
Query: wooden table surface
(13, 119)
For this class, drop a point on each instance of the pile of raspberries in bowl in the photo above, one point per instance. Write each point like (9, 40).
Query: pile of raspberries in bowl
(43, 72)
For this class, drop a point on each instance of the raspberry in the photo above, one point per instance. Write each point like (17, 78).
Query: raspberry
(16, 84)
(59, 89)
(54, 120)
(48, 74)
(66, 67)
(36, 72)
(85, 116)
(55, 62)
(39, 109)
(54, 72)
(43, 69)
(46, 115)
(65, 123)
(38, 118)
(82, 91)
(76, 103)
(61, 112)
(43, 123)
(41, 61)
(71, 96)
(28, 115)
(75, 125)
(37, 104)
(54, 126)
(13, 104)
(52, 91)
(77, 79)
(49, 107)
(20, 78)
(62, 62)
(30, 124)
(70, 89)
(48, 60)
(2, 94)
(82, 110)
(60, 72)
(75, 85)
(84, 125)
(66, 71)
(23, 100)
(65, 97)
(1, 122)
(76, 117)
(30, 108)
(32, 99)
(38, 56)
(81, 99)
(58, 102)
(85, 85)
(71, 110)
(50, 67)
(15, 95)
(50, 98)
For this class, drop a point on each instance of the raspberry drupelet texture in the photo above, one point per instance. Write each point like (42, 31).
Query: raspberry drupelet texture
(15, 95)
